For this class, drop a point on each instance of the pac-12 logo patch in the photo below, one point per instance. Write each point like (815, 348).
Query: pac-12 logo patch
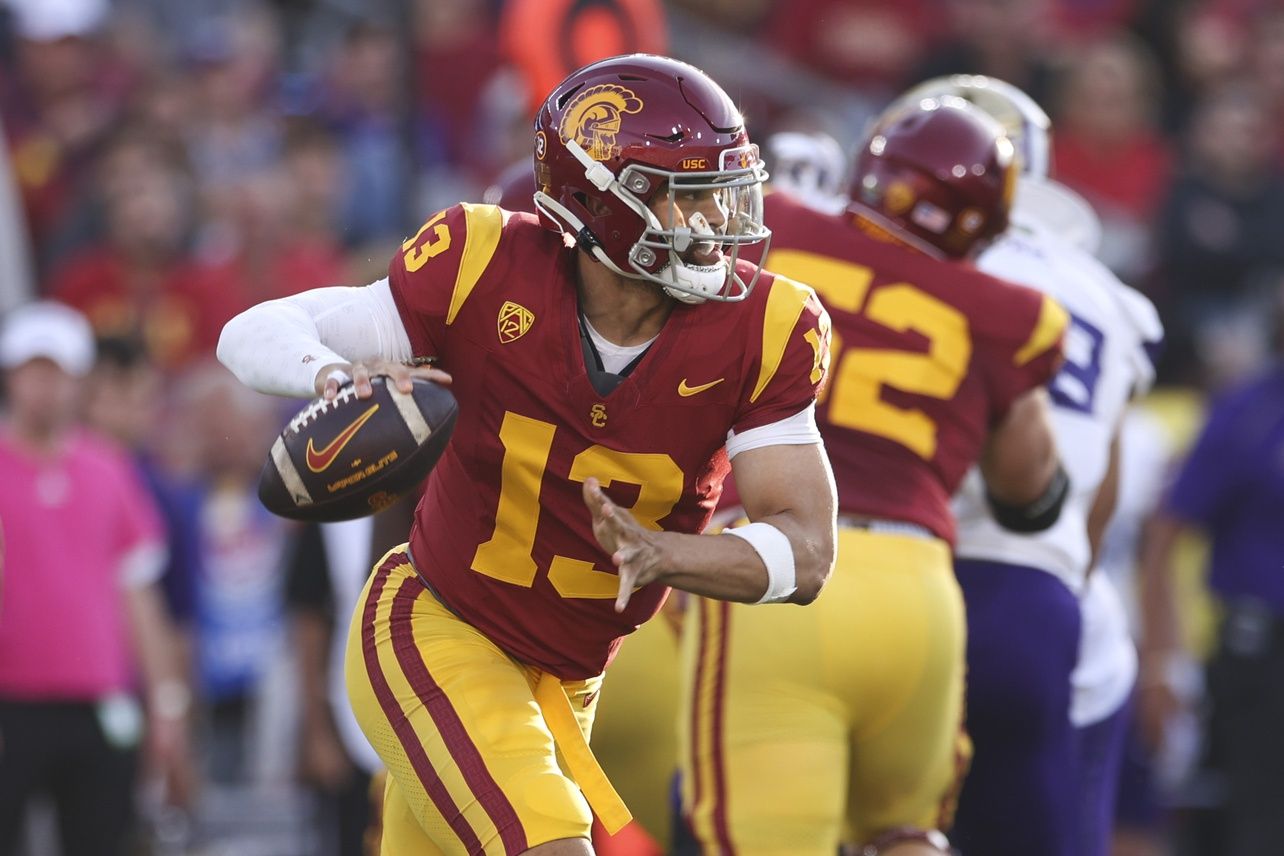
(514, 321)
(593, 119)
(541, 145)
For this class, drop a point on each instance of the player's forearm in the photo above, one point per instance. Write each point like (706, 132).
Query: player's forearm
(158, 651)
(1103, 505)
(729, 568)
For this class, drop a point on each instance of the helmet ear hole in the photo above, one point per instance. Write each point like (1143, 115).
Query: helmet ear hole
(596, 207)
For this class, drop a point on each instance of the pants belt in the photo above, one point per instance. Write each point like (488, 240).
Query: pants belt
(584, 769)
(885, 527)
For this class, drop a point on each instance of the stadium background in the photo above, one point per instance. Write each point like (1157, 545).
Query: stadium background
(166, 164)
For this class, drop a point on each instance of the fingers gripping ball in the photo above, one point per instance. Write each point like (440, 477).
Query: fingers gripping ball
(351, 457)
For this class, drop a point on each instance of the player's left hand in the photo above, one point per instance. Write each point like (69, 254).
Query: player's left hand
(633, 549)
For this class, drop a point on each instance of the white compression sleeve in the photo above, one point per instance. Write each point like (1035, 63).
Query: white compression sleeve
(277, 347)
(797, 430)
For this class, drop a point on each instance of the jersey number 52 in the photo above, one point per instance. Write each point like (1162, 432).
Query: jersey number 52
(855, 395)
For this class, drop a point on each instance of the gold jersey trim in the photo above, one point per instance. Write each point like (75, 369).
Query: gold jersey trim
(1047, 330)
(485, 224)
(784, 306)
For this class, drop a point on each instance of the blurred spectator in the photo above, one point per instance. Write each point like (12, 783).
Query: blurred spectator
(1267, 70)
(60, 102)
(1232, 489)
(16, 284)
(548, 39)
(232, 134)
(866, 43)
(1195, 47)
(139, 281)
(285, 221)
(1219, 247)
(239, 625)
(124, 402)
(326, 573)
(83, 631)
(1108, 146)
(362, 104)
(1078, 20)
(1007, 39)
(456, 54)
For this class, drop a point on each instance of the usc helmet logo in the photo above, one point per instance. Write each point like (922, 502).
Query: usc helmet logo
(592, 119)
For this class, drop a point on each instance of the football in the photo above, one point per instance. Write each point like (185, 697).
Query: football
(351, 457)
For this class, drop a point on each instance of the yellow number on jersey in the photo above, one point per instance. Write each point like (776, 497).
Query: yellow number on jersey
(527, 442)
(416, 257)
(857, 400)
(854, 396)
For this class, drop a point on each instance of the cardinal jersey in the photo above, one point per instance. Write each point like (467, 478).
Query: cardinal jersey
(1112, 330)
(502, 533)
(927, 358)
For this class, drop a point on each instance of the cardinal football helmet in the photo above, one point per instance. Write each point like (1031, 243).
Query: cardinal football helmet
(938, 173)
(617, 134)
(1023, 120)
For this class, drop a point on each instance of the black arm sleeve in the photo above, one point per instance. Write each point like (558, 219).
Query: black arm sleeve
(1038, 515)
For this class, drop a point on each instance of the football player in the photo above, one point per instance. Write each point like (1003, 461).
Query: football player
(843, 723)
(810, 166)
(613, 360)
(1031, 693)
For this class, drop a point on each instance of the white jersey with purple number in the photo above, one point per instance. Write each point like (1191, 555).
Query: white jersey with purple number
(1107, 362)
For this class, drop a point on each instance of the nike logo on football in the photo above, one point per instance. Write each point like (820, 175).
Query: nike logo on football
(685, 390)
(320, 459)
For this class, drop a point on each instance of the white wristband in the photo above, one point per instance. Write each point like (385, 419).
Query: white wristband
(777, 554)
(340, 375)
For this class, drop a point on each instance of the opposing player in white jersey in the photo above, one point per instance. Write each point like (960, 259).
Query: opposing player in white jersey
(1024, 709)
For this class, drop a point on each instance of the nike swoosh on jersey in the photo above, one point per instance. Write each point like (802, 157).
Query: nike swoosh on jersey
(320, 459)
(685, 390)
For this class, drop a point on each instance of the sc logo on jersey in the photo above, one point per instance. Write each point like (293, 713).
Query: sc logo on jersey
(597, 415)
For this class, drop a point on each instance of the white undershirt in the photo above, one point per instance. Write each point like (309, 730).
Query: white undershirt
(615, 357)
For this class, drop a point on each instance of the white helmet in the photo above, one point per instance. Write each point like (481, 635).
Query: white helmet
(809, 165)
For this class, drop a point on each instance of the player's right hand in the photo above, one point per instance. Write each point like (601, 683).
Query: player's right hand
(328, 380)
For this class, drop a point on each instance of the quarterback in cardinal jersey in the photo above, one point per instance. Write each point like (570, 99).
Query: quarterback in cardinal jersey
(613, 360)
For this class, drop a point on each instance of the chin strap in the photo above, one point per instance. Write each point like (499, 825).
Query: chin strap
(905, 834)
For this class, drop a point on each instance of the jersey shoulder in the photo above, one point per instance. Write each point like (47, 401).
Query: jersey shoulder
(1014, 319)
(785, 332)
(458, 253)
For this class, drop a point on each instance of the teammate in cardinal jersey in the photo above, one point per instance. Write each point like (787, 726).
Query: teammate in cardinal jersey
(842, 724)
(1049, 659)
(613, 360)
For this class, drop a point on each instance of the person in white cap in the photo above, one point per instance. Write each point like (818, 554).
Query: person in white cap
(80, 614)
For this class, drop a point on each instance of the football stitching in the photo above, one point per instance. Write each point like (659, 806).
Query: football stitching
(319, 407)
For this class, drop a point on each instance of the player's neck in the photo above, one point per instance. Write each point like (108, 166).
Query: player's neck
(36, 437)
(623, 311)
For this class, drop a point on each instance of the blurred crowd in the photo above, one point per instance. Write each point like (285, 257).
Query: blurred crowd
(165, 165)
